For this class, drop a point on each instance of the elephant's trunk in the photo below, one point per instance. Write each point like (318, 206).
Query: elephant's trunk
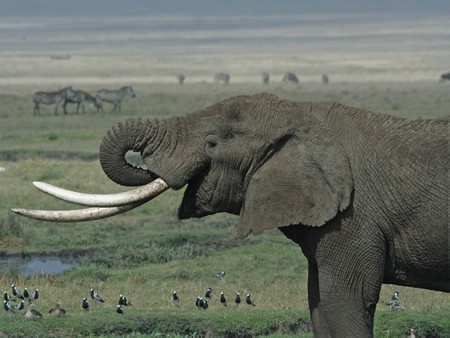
(133, 134)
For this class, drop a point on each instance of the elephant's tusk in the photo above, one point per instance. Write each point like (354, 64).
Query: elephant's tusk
(144, 193)
(79, 215)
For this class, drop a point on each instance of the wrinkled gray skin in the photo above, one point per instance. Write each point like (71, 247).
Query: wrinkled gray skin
(365, 195)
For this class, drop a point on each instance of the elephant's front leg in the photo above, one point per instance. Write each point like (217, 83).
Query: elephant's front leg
(348, 293)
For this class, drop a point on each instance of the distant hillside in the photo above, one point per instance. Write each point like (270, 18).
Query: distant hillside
(102, 8)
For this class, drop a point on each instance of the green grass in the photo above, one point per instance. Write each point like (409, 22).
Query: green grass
(147, 253)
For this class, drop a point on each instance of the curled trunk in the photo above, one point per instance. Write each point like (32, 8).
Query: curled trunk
(132, 134)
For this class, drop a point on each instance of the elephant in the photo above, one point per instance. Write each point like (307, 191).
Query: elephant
(365, 195)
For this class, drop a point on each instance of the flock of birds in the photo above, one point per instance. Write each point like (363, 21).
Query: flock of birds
(16, 302)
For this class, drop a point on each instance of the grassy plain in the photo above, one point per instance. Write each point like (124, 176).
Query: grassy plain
(147, 253)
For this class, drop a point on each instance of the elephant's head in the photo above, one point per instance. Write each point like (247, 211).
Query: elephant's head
(268, 160)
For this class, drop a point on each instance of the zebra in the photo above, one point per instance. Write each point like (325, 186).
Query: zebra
(51, 98)
(325, 79)
(445, 77)
(114, 97)
(265, 77)
(224, 77)
(180, 78)
(290, 77)
(80, 97)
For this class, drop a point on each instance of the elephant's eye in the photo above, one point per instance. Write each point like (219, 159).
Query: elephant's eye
(211, 141)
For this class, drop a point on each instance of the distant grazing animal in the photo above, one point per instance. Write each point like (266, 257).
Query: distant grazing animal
(290, 77)
(79, 98)
(224, 77)
(325, 79)
(265, 77)
(181, 78)
(51, 98)
(445, 77)
(114, 97)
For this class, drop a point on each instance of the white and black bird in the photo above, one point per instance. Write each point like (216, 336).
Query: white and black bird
(197, 303)
(249, 300)
(8, 307)
(411, 333)
(119, 309)
(20, 305)
(175, 299)
(220, 274)
(95, 296)
(16, 292)
(85, 305)
(201, 303)
(223, 300)
(205, 304)
(32, 314)
(121, 300)
(35, 294)
(393, 302)
(208, 293)
(26, 295)
(237, 300)
(7, 297)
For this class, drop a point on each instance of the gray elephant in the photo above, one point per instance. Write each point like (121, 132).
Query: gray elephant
(365, 195)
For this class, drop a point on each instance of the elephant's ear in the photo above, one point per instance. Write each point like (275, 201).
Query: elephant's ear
(307, 180)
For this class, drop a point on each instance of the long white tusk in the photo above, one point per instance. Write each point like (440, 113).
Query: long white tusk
(145, 192)
(79, 215)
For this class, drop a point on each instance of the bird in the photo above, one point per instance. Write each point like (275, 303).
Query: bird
(175, 299)
(119, 309)
(208, 293)
(96, 296)
(205, 304)
(237, 300)
(197, 303)
(32, 313)
(223, 300)
(16, 292)
(7, 297)
(8, 307)
(394, 298)
(201, 303)
(126, 302)
(85, 305)
(412, 333)
(394, 302)
(57, 311)
(220, 274)
(20, 305)
(249, 300)
(26, 295)
(35, 294)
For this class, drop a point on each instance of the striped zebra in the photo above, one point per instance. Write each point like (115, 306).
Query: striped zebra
(224, 77)
(444, 77)
(265, 77)
(51, 98)
(290, 77)
(114, 97)
(79, 98)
